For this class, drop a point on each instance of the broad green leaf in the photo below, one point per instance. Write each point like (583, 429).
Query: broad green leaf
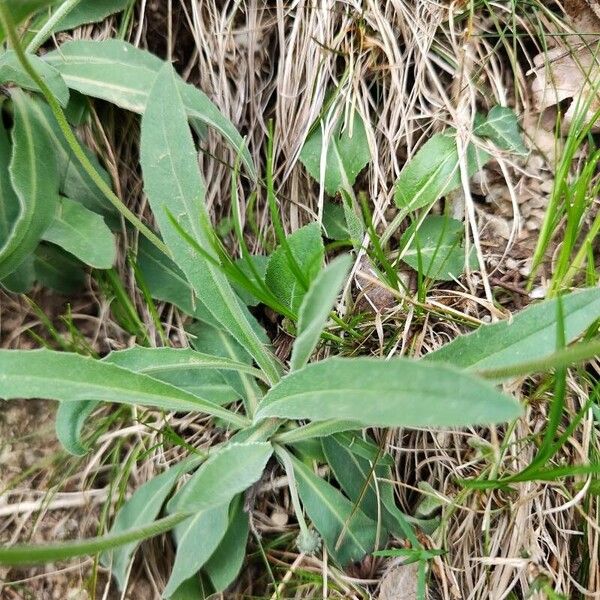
(35, 180)
(529, 334)
(395, 393)
(175, 188)
(225, 564)
(141, 509)
(122, 74)
(20, 9)
(75, 183)
(83, 234)
(347, 154)
(197, 538)
(502, 128)
(57, 270)
(12, 71)
(434, 171)
(192, 589)
(69, 422)
(435, 248)
(347, 532)
(306, 246)
(315, 309)
(228, 472)
(70, 377)
(334, 221)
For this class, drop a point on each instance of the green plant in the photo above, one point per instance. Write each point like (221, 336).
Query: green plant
(327, 402)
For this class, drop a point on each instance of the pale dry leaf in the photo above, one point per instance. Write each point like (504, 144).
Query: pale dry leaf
(399, 582)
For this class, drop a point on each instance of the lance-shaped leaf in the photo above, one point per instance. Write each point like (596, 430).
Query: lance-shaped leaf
(90, 11)
(395, 393)
(83, 234)
(20, 9)
(35, 179)
(230, 471)
(528, 335)
(315, 309)
(12, 71)
(141, 509)
(434, 171)
(70, 377)
(347, 154)
(197, 538)
(176, 190)
(122, 74)
(226, 562)
(9, 201)
(347, 532)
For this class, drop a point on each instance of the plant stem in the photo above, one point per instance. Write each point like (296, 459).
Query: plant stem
(46, 31)
(71, 139)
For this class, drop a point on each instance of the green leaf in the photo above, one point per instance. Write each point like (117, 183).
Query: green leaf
(228, 472)
(197, 538)
(83, 234)
(20, 9)
(90, 11)
(9, 201)
(260, 264)
(530, 334)
(225, 564)
(69, 422)
(175, 187)
(44, 553)
(435, 248)
(122, 74)
(306, 246)
(502, 128)
(192, 589)
(347, 154)
(12, 71)
(141, 509)
(334, 221)
(22, 279)
(69, 377)
(347, 532)
(434, 171)
(34, 179)
(75, 183)
(395, 393)
(315, 309)
(57, 270)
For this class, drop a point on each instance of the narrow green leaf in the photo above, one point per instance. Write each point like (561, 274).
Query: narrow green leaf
(140, 510)
(434, 171)
(35, 182)
(83, 234)
(347, 532)
(306, 246)
(120, 73)
(436, 248)
(314, 430)
(45, 553)
(174, 185)
(347, 154)
(394, 393)
(502, 128)
(530, 334)
(315, 309)
(69, 377)
(69, 422)
(225, 564)
(230, 471)
(197, 538)
(12, 71)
